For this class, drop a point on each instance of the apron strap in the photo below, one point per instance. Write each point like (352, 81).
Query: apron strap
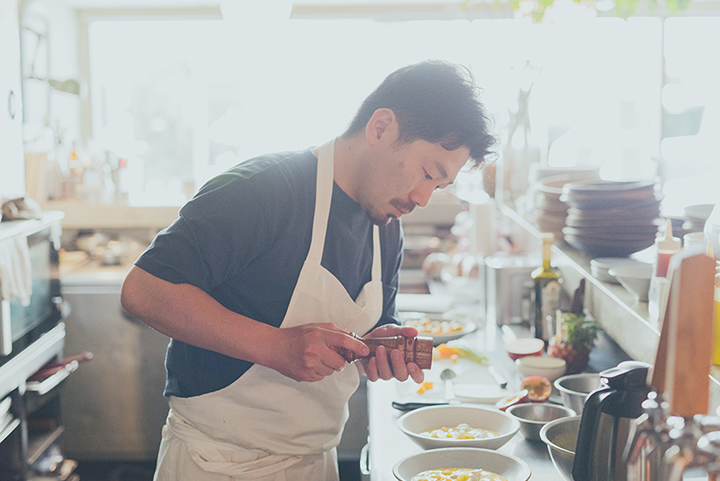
(207, 453)
(323, 197)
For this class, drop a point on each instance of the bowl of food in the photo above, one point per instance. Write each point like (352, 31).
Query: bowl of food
(452, 426)
(635, 278)
(534, 416)
(561, 436)
(525, 346)
(448, 464)
(440, 328)
(574, 388)
(546, 366)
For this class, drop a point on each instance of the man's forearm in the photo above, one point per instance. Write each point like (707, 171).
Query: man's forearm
(188, 314)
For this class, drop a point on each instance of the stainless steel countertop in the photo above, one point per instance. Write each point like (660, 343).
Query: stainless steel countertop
(387, 444)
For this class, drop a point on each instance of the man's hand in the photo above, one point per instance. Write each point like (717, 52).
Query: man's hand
(378, 367)
(306, 353)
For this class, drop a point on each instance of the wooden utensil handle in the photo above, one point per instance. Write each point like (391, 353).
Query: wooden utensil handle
(413, 349)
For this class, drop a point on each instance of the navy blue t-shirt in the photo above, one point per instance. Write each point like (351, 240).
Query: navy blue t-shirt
(243, 239)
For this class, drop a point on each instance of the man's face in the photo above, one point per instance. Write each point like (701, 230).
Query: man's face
(401, 176)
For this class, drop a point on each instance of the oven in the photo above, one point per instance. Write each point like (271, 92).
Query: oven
(21, 325)
(31, 335)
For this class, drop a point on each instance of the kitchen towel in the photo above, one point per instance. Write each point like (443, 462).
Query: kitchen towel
(15, 269)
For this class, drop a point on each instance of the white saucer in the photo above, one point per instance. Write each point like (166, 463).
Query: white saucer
(480, 393)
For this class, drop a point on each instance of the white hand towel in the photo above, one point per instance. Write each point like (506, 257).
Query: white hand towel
(15, 269)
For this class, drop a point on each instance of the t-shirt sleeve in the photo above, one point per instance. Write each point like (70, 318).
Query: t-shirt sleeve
(392, 261)
(217, 232)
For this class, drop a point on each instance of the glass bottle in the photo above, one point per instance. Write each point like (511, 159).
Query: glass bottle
(716, 320)
(546, 293)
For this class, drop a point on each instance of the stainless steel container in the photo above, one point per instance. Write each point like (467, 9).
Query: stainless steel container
(509, 288)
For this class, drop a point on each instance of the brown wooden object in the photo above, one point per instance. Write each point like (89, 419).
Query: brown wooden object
(682, 363)
(414, 349)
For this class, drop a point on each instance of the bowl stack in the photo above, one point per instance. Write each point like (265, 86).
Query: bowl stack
(609, 218)
(545, 208)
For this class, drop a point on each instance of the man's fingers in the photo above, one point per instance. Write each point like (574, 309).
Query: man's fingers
(383, 367)
(398, 365)
(340, 339)
(415, 372)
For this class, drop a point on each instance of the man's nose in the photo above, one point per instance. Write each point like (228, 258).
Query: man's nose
(422, 193)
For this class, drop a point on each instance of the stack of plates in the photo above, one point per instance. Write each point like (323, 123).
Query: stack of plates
(547, 211)
(611, 219)
(600, 266)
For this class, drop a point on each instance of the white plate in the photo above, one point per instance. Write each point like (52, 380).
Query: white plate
(511, 468)
(480, 393)
(467, 326)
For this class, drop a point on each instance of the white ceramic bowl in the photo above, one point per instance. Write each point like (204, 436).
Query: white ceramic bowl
(433, 417)
(549, 367)
(635, 278)
(509, 467)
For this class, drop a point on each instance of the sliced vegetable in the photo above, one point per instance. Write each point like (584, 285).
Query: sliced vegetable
(454, 352)
(517, 398)
(425, 386)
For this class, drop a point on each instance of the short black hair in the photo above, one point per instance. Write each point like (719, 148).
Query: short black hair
(435, 101)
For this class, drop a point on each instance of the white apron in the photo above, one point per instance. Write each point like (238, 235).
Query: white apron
(265, 425)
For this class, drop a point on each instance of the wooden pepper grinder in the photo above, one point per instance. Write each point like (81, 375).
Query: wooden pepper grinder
(414, 349)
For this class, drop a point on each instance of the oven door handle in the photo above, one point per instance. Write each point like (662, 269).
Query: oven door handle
(6, 339)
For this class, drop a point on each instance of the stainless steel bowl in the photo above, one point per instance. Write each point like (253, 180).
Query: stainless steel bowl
(574, 388)
(560, 436)
(533, 416)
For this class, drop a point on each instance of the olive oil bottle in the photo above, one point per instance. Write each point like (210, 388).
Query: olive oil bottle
(546, 293)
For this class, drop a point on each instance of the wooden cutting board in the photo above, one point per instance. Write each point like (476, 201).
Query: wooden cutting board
(682, 363)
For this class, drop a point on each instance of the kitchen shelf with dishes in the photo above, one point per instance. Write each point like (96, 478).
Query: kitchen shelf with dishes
(625, 318)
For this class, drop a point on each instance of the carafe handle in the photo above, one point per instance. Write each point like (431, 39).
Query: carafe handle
(582, 469)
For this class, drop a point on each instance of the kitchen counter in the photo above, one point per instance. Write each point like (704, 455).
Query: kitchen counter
(387, 444)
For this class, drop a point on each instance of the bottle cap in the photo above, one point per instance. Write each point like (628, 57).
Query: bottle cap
(547, 237)
(669, 243)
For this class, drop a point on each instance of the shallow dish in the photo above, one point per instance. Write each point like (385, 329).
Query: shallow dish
(432, 417)
(510, 467)
(560, 436)
(480, 393)
(574, 388)
(549, 367)
(533, 416)
(445, 328)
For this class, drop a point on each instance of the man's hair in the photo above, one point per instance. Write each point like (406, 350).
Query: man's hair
(435, 101)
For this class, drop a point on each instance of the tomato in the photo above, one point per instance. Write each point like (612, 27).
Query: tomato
(516, 398)
(539, 388)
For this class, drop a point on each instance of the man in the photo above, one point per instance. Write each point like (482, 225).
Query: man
(272, 265)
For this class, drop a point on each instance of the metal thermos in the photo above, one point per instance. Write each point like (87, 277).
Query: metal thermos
(606, 423)
(508, 288)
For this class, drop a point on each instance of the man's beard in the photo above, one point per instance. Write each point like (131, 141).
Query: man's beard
(381, 218)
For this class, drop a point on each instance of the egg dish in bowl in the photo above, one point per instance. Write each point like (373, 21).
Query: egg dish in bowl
(453, 464)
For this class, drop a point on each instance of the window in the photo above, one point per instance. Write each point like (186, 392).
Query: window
(183, 100)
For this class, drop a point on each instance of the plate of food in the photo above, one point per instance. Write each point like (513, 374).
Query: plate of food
(442, 329)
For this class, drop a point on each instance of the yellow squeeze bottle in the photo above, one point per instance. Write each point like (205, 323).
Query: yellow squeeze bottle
(716, 322)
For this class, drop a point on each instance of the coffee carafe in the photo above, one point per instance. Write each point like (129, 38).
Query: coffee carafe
(607, 419)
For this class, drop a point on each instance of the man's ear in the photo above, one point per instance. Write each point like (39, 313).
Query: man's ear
(381, 126)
